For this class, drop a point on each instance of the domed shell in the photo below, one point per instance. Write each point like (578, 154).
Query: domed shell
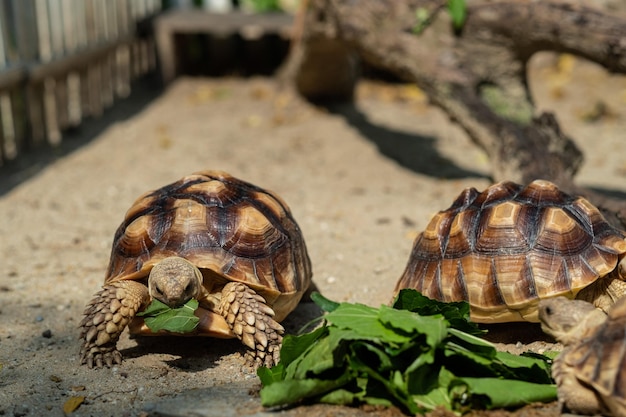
(230, 229)
(506, 248)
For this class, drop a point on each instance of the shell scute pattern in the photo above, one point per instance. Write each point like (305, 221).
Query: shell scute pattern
(505, 248)
(230, 245)
(216, 222)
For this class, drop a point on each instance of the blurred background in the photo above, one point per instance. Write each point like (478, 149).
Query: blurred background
(65, 61)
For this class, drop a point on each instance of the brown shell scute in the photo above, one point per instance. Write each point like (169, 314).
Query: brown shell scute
(507, 247)
(216, 222)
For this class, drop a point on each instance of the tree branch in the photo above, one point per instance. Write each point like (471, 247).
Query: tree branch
(478, 77)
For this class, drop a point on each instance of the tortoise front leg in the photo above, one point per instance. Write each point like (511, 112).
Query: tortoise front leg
(251, 319)
(106, 316)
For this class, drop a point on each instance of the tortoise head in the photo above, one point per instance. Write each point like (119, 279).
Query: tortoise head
(174, 281)
(569, 320)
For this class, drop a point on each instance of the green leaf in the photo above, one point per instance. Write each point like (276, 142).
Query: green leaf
(323, 302)
(458, 12)
(261, 6)
(527, 366)
(371, 356)
(295, 390)
(364, 321)
(270, 375)
(295, 346)
(415, 360)
(159, 316)
(154, 308)
(506, 393)
(462, 342)
(339, 397)
(411, 323)
(435, 393)
(325, 354)
(422, 18)
(457, 313)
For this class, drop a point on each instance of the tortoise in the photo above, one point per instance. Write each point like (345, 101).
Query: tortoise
(231, 245)
(590, 371)
(504, 249)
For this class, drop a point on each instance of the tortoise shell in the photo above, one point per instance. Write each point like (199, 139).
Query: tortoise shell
(504, 249)
(230, 229)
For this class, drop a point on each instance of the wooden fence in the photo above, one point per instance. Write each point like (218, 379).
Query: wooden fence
(62, 61)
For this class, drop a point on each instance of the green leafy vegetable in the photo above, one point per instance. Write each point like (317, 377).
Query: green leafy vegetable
(418, 354)
(422, 19)
(323, 302)
(458, 12)
(263, 5)
(159, 316)
(457, 313)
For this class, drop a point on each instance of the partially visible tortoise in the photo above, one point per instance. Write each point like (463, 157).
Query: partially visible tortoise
(227, 243)
(590, 372)
(504, 249)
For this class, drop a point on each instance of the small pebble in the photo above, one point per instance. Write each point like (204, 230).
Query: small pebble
(47, 333)
(39, 319)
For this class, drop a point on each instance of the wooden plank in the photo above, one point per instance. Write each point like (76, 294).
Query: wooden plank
(55, 22)
(250, 26)
(80, 22)
(68, 13)
(35, 103)
(74, 105)
(12, 77)
(62, 102)
(106, 80)
(19, 123)
(53, 131)
(122, 71)
(80, 59)
(27, 43)
(63, 60)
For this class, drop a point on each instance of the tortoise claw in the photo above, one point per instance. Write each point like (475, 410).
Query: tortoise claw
(101, 356)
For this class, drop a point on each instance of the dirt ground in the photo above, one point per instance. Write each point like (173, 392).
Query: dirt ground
(362, 181)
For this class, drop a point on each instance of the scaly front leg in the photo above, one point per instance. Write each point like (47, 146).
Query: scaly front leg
(106, 316)
(251, 319)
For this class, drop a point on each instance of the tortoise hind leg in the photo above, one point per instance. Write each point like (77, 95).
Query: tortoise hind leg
(252, 322)
(106, 316)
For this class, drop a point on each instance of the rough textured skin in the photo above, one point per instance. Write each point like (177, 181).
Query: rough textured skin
(252, 322)
(589, 372)
(230, 244)
(106, 316)
(174, 281)
(508, 247)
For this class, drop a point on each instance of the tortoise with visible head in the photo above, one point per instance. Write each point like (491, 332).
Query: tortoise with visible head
(590, 372)
(504, 249)
(227, 243)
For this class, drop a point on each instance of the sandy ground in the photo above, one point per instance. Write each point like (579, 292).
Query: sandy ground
(362, 182)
